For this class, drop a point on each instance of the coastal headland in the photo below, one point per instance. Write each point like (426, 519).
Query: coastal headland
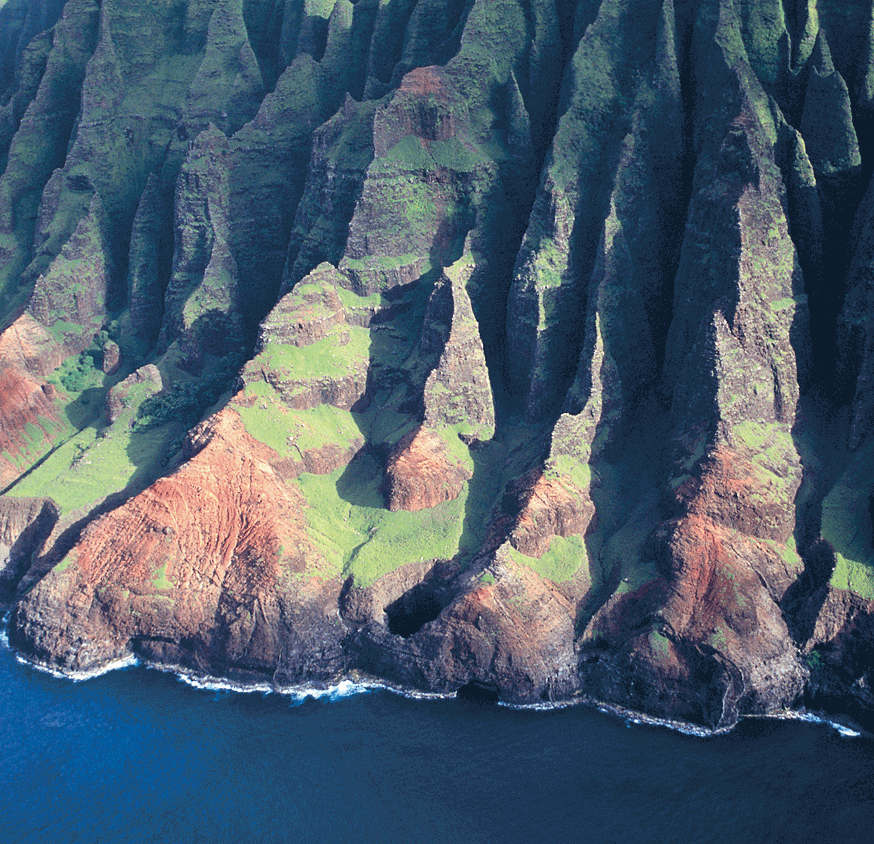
(508, 348)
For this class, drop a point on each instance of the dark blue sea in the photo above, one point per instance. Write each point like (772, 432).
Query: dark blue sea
(138, 756)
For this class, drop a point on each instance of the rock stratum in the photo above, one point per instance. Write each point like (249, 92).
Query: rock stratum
(516, 346)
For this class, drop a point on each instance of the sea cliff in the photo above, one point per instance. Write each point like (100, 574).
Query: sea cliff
(509, 345)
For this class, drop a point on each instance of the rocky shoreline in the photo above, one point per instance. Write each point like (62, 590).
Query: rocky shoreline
(845, 726)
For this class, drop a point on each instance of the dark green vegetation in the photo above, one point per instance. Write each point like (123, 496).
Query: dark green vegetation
(560, 308)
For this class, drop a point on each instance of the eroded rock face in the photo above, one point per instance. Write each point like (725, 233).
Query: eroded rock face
(507, 629)
(841, 648)
(326, 362)
(24, 524)
(546, 507)
(147, 378)
(421, 473)
(214, 577)
(458, 390)
(443, 342)
(27, 354)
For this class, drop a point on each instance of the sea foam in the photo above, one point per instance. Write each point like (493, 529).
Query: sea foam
(347, 688)
(79, 676)
(296, 694)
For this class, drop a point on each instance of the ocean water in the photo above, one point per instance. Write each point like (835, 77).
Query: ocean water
(138, 756)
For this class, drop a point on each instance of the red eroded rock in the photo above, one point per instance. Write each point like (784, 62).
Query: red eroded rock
(547, 507)
(734, 491)
(708, 640)
(210, 568)
(507, 629)
(420, 473)
(422, 106)
(28, 353)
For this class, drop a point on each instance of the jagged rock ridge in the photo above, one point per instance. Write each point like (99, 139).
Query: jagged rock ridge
(522, 343)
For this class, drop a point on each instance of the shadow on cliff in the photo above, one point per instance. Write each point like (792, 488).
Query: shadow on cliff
(20, 553)
(824, 456)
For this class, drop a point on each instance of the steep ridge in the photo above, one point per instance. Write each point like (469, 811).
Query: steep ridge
(521, 343)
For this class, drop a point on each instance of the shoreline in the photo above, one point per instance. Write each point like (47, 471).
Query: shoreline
(349, 686)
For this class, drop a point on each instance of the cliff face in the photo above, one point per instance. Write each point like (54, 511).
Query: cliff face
(515, 343)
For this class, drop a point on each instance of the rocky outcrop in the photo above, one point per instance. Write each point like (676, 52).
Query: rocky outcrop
(420, 473)
(605, 101)
(310, 354)
(149, 257)
(215, 578)
(146, 381)
(77, 284)
(734, 379)
(202, 304)
(827, 121)
(545, 507)
(28, 353)
(507, 631)
(40, 143)
(457, 390)
(840, 660)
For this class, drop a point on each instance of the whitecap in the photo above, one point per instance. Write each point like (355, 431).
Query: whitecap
(840, 729)
(79, 676)
(629, 716)
(539, 707)
(211, 684)
(297, 694)
(348, 687)
(343, 689)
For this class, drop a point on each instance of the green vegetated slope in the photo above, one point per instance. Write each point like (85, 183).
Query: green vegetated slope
(347, 516)
(97, 461)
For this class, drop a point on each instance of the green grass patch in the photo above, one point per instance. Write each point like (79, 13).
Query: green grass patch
(14, 460)
(718, 640)
(33, 435)
(185, 400)
(814, 660)
(94, 463)
(623, 549)
(160, 579)
(560, 562)
(772, 447)
(791, 556)
(455, 155)
(352, 300)
(385, 262)
(68, 561)
(854, 576)
(87, 468)
(60, 329)
(79, 372)
(325, 356)
(788, 302)
(660, 644)
(286, 430)
(36, 439)
(408, 153)
(564, 466)
(364, 538)
(352, 529)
